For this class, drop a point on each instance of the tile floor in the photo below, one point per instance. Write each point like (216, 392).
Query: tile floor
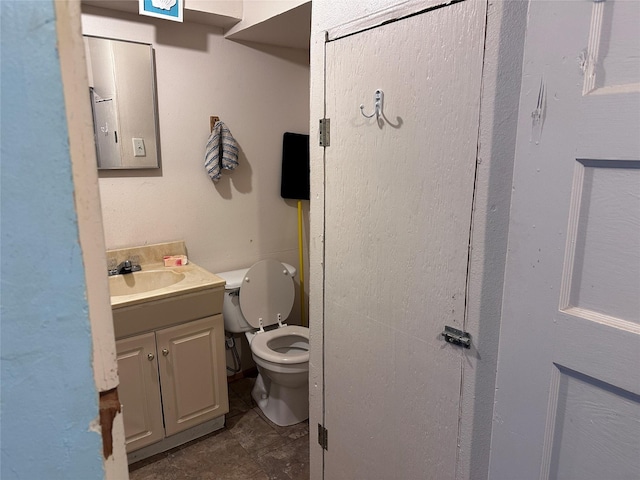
(250, 447)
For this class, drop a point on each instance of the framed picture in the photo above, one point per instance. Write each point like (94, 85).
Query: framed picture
(167, 9)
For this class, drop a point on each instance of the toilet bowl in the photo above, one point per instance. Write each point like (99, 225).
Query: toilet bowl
(257, 300)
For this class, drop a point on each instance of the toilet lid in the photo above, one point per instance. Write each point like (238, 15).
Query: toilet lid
(267, 290)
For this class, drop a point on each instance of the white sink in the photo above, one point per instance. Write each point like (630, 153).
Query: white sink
(143, 281)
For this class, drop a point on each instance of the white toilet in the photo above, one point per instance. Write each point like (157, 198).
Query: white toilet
(257, 300)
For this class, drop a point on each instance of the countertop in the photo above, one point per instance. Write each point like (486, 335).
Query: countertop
(196, 279)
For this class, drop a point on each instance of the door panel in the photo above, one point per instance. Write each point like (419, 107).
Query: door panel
(190, 359)
(399, 193)
(606, 233)
(139, 390)
(580, 424)
(568, 385)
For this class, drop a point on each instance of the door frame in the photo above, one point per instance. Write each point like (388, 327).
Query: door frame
(90, 231)
(504, 44)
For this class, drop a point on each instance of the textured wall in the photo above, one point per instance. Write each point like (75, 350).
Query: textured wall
(506, 23)
(48, 392)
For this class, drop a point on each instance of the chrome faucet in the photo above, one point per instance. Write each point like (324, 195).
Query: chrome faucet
(125, 267)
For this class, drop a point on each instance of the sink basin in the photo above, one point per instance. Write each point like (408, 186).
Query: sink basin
(142, 282)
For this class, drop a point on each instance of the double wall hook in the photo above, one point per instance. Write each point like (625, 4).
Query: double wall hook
(379, 98)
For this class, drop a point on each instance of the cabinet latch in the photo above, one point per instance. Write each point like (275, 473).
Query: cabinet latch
(458, 337)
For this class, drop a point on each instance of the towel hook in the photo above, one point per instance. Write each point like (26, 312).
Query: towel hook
(379, 98)
(212, 122)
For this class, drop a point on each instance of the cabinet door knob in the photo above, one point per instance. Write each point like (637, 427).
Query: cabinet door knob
(150, 356)
(165, 352)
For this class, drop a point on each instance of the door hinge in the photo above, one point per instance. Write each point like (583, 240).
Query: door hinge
(453, 335)
(325, 133)
(323, 437)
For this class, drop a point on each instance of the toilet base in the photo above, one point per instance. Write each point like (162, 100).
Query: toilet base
(284, 406)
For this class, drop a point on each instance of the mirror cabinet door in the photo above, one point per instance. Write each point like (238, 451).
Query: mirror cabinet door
(123, 101)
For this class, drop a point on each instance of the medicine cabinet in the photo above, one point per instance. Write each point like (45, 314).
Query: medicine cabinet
(123, 102)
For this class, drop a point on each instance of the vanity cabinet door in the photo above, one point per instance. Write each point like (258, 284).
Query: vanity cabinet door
(192, 371)
(139, 390)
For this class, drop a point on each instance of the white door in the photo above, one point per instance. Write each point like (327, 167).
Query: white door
(568, 384)
(399, 193)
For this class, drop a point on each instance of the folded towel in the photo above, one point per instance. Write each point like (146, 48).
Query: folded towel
(221, 151)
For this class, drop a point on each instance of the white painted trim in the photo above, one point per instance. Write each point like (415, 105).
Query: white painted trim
(603, 319)
(572, 234)
(316, 257)
(595, 34)
(616, 89)
(392, 13)
(87, 198)
(500, 96)
(89, 212)
(550, 427)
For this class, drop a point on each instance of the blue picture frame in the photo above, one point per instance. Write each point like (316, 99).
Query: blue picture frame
(167, 9)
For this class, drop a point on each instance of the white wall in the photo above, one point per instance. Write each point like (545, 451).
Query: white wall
(506, 21)
(260, 92)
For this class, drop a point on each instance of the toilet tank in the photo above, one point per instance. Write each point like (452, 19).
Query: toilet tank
(234, 321)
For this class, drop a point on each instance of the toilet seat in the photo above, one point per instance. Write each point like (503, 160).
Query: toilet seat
(265, 345)
(266, 294)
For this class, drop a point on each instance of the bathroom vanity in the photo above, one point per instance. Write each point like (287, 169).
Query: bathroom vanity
(170, 350)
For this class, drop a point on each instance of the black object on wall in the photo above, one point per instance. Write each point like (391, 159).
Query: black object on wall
(295, 166)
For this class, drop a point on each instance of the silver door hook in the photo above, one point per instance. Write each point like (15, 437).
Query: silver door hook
(379, 97)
